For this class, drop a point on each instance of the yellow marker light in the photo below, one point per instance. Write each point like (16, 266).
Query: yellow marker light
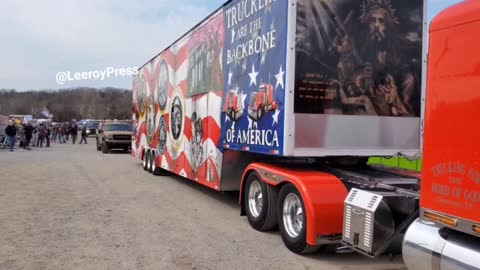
(451, 222)
(476, 228)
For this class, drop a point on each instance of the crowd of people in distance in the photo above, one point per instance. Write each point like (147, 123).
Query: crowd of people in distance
(42, 134)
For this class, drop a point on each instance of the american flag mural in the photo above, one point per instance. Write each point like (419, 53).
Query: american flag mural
(177, 105)
(220, 87)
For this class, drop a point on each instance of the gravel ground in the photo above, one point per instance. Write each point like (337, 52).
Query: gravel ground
(71, 207)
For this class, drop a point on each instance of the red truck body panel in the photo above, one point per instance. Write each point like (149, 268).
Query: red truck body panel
(451, 172)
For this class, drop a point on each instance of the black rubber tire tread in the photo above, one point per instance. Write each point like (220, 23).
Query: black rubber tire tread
(268, 216)
(151, 160)
(145, 160)
(299, 244)
(105, 148)
(271, 219)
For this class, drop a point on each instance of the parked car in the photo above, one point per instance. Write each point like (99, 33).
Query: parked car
(92, 128)
(114, 135)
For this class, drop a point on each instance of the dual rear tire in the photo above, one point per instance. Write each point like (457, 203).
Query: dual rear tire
(267, 207)
(149, 163)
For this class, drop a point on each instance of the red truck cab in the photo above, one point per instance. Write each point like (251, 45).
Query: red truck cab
(233, 105)
(262, 101)
(447, 235)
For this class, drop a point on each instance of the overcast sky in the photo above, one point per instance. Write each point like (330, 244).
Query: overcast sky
(41, 38)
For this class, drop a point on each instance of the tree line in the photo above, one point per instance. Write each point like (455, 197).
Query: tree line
(67, 104)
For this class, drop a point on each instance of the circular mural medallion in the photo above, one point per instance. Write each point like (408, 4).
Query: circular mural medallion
(151, 120)
(162, 88)
(177, 121)
(162, 136)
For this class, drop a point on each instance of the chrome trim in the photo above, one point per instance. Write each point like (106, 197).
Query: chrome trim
(292, 215)
(289, 116)
(322, 135)
(255, 198)
(425, 37)
(428, 246)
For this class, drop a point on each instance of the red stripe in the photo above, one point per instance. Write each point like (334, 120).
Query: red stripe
(213, 130)
(188, 129)
(218, 93)
(141, 131)
(168, 158)
(169, 57)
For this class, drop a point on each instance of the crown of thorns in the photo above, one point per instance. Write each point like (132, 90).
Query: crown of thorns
(369, 6)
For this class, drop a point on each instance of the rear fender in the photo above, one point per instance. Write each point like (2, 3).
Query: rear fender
(323, 195)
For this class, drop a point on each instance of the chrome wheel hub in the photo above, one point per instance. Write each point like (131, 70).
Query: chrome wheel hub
(153, 162)
(292, 215)
(255, 199)
(149, 163)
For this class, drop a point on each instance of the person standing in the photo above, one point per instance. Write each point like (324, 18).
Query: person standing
(47, 135)
(34, 135)
(54, 133)
(11, 132)
(84, 135)
(21, 135)
(28, 135)
(41, 135)
(61, 134)
(67, 131)
(74, 131)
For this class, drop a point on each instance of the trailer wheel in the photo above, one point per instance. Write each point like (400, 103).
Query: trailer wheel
(260, 201)
(145, 160)
(152, 166)
(292, 221)
(149, 162)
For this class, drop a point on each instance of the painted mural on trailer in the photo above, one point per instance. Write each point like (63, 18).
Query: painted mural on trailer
(359, 57)
(254, 70)
(177, 105)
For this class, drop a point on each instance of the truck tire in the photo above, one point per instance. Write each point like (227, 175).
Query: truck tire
(152, 166)
(292, 221)
(260, 200)
(105, 148)
(145, 160)
(149, 162)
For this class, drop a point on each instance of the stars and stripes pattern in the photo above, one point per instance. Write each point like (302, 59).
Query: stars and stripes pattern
(205, 166)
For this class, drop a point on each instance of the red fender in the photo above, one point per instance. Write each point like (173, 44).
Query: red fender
(323, 195)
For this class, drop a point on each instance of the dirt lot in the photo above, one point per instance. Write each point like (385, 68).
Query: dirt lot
(71, 207)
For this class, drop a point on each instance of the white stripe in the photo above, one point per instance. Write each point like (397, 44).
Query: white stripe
(164, 163)
(215, 107)
(182, 72)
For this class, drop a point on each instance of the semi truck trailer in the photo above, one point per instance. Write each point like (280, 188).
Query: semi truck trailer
(336, 82)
